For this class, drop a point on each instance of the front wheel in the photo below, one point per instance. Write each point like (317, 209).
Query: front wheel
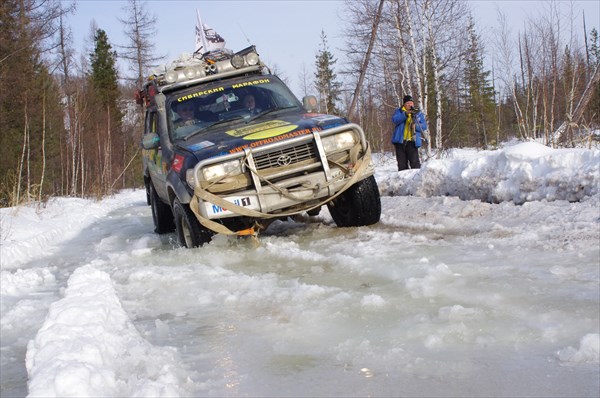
(358, 206)
(189, 231)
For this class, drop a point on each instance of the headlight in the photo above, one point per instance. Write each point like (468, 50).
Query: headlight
(337, 142)
(231, 168)
(190, 177)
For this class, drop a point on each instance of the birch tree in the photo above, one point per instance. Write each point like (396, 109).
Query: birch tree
(429, 40)
(66, 67)
(367, 57)
(303, 78)
(506, 61)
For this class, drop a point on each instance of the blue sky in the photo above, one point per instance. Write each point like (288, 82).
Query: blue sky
(286, 33)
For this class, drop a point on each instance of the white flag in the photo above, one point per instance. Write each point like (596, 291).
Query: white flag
(207, 39)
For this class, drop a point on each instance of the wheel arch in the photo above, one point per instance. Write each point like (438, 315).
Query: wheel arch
(177, 189)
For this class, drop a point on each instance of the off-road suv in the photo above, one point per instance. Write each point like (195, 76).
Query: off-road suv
(227, 148)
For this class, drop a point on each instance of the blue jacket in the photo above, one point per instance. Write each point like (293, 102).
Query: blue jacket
(399, 119)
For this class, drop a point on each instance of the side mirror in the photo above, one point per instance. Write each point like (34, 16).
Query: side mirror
(310, 103)
(151, 141)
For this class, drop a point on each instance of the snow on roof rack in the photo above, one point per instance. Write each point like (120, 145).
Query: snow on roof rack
(194, 68)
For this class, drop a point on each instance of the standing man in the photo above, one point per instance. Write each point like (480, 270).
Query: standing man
(410, 125)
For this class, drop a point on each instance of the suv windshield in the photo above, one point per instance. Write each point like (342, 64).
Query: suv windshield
(237, 101)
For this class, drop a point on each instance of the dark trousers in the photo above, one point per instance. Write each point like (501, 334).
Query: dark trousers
(407, 154)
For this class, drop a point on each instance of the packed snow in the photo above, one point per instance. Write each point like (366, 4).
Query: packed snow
(481, 279)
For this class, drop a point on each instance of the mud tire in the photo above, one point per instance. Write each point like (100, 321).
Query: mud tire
(359, 206)
(190, 232)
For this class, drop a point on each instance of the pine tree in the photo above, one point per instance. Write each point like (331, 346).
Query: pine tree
(479, 104)
(594, 48)
(104, 71)
(325, 78)
(30, 114)
(594, 105)
(106, 116)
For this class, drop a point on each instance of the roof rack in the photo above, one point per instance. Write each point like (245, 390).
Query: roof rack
(192, 69)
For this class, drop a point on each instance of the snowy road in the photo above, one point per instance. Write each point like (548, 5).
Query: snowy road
(444, 297)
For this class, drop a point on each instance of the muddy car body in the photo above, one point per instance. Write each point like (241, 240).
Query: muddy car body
(227, 148)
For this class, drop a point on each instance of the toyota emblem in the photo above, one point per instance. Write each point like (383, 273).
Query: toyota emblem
(284, 160)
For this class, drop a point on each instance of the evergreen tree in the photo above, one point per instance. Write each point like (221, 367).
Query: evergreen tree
(479, 104)
(594, 49)
(104, 71)
(30, 114)
(106, 116)
(594, 105)
(593, 113)
(325, 78)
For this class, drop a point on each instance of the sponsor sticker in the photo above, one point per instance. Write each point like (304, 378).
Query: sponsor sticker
(264, 130)
(200, 145)
(270, 140)
(324, 118)
(239, 201)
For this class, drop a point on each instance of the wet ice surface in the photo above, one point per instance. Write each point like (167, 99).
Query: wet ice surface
(317, 310)
(444, 297)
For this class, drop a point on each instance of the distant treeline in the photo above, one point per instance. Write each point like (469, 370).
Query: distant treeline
(69, 126)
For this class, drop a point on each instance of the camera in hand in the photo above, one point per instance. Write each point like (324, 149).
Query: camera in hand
(413, 109)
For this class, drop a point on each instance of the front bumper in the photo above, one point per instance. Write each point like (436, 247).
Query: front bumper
(283, 178)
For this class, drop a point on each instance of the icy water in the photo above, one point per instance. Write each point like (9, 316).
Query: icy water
(441, 298)
(325, 311)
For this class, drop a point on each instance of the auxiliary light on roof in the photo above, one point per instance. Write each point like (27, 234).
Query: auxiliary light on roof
(188, 67)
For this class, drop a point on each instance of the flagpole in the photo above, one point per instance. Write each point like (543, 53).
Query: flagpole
(200, 34)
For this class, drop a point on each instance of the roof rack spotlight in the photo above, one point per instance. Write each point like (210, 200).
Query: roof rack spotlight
(237, 61)
(171, 76)
(252, 58)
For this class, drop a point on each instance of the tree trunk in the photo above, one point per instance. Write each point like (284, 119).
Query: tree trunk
(573, 119)
(17, 195)
(403, 69)
(43, 145)
(438, 91)
(415, 56)
(365, 64)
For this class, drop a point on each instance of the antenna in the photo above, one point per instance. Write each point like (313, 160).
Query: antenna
(244, 33)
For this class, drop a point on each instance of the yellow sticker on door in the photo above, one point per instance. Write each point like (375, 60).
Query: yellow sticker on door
(264, 130)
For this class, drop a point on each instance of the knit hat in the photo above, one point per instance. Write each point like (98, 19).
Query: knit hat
(406, 99)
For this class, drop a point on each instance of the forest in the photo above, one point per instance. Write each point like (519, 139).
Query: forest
(71, 127)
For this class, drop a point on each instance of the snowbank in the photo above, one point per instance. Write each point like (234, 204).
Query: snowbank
(30, 232)
(518, 173)
(89, 347)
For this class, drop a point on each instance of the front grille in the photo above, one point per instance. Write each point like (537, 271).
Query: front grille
(285, 156)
